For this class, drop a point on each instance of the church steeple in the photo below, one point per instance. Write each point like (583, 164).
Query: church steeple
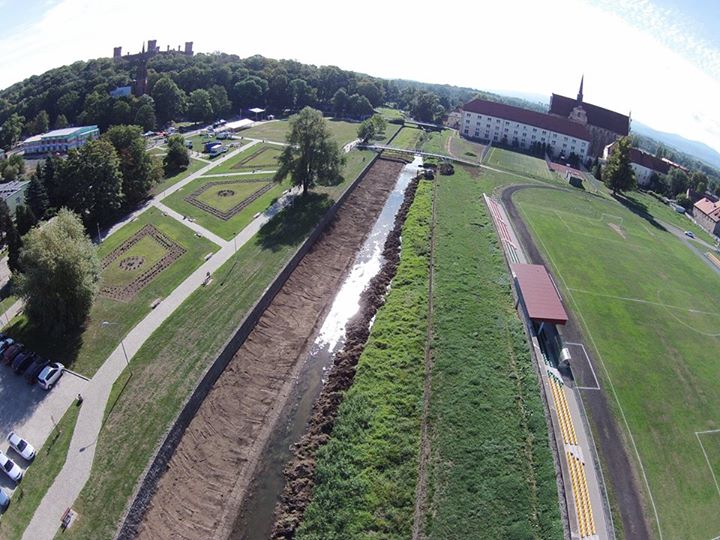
(580, 93)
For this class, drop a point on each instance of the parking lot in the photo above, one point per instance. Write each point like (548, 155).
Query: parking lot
(32, 412)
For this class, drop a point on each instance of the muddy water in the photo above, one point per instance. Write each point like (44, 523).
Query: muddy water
(256, 518)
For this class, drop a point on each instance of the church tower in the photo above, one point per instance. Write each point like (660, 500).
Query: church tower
(580, 92)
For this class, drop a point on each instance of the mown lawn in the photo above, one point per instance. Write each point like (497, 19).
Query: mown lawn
(466, 149)
(492, 473)
(195, 165)
(649, 307)
(87, 351)
(519, 163)
(38, 477)
(166, 368)
(409, 138)
(366, 474)
(258, 156)
(436, 142)
(343, 132)
(231, 227)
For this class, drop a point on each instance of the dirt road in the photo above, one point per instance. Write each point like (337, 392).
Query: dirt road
(621, 474)
(208, 476)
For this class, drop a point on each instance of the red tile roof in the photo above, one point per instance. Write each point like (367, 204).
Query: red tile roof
(597, 116)
(539, 294)
(709, 208)
(648, 160)
(526, 116)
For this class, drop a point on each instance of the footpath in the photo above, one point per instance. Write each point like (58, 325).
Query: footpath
(76, 470)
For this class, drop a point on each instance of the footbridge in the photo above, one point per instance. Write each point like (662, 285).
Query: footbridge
(381, 147)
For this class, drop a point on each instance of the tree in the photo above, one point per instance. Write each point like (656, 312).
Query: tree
(39, 124)
(340, 102)
(371, 127)
(9, 173)
(699, 182)
(177, 158)
(200, 109)
(678, 180)
(170, 102)
(312, 156)
(684, 201)
(11, 130)
(61, 274)
(618, 174)
(371, 91)
(359, 106)
(36, 197)
(136, 164)
(61, 122)
(250, 92)
(426, 107)
(219, 100)
(121, 113)
(24, 219)
(302, 94)
(597, 169)
(11, 237)
(145, 117)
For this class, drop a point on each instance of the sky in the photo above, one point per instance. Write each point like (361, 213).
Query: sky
(658, 59)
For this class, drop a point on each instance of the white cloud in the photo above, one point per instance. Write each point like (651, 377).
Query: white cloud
(530, 46)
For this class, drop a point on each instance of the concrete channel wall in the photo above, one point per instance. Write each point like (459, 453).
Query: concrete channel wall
(154, 471)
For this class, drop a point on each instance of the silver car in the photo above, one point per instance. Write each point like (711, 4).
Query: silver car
(50, 375)
(4, 499)
(10, 468)
(21, 446)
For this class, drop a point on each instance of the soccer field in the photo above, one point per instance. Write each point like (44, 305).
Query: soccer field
(650, 308)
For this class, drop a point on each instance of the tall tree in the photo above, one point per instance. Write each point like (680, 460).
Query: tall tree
(10, 236)
(136, 164)
(340, 102)
(24, 219)
(61, 273)
(679, 181)
(36, 196)
(177, 158)
(39, 124)
(61, 122)
(11, 130)
(219, 100)
(200, 109)
(250, 92)
(699, 182)
(618, 174)
(170, 102)
(359, 106)
(145, 116)
(311, 157)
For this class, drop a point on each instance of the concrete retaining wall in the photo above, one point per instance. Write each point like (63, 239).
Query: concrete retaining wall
(144, 491)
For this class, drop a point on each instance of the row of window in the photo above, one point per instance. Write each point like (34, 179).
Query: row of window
(582, 144)
(523, 141)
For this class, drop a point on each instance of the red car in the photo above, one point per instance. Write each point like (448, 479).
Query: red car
(12, 352)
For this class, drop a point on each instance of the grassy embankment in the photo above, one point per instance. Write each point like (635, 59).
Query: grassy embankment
(86, 351)
(648, 306)
(167, 366)
(38, 477)
(492, 473)
(366, 474)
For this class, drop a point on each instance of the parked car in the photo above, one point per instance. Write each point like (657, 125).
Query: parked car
(35, 368)
(690, 234)
(7, 342)
(21, 446)
(50, 375)
(22, 362)
(4, 499)
(12, 352)
(10, 468)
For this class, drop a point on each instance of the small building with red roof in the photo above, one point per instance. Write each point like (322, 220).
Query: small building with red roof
(707, 215)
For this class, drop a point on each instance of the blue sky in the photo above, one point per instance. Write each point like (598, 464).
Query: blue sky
(659, 59)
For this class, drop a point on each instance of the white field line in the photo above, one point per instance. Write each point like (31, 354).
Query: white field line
(587, 359)
(691, 327)
(641, 301)
(697, 434)
(609, 379)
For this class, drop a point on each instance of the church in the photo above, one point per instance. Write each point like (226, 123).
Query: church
(604, 126)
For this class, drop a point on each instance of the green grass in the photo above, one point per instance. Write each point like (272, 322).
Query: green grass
(86, 352)
(649, 307)
(167, 366)
(343, 132)
(436, 142)
(195, 165)
(466, 149)
(519, 163)
(367, 472)
(409, 138)
(38, 477)
(231, 227)
(492, 473)
(389, 113)
(258, 156)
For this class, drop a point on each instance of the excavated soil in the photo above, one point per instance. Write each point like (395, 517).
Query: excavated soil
(210, 472)
(300, 473)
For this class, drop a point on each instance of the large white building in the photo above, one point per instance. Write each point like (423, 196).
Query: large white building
(60, 141)
(488, 121)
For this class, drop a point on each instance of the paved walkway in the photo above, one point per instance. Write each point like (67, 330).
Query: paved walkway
(219, 175)
(11, 312)
(76, 470)
(199, 230)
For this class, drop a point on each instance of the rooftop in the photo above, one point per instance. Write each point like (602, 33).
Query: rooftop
(8, 188)
(709, 208)
(596, 116)
(539, 294)
(526, 116)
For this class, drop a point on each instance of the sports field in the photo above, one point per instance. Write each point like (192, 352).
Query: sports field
(343, 132)
(519, 163)
(650, 308)
(257, 157)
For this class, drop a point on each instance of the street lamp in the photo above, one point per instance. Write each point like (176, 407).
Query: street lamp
(122, 341)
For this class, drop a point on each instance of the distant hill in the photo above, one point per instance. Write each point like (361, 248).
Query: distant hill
(695, 148)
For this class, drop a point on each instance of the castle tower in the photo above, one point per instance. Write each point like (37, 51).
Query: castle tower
(117, 52)
(580, 93)
(188, 48)
(152, 46)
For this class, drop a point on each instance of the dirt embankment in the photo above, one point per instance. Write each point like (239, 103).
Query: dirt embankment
(210, 472)
(300, 473)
